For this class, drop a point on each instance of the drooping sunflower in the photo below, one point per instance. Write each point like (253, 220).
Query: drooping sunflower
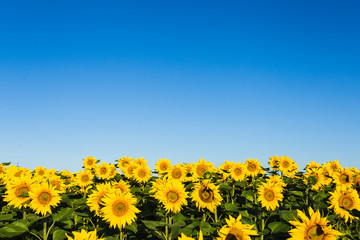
(274, 162)
(84, 178)
(312, 165)
(119, 209)
(276, 180)
(17, 191)
(172, 196)
(334, 165)
(142, 173)
(235, 229)
(103, 170)
(43, 197)
(238, 171)
(270, 195)
(200, 167)
(343, 200)
(253, 167)
(317, 174)
(83, 235)
(94, 199)
(177, 172)
(89, 162)
(163, 165)
(206, 195)
(314, 227)
(344, 177)
(225, 168)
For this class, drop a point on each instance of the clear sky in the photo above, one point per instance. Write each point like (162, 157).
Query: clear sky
(181, 80)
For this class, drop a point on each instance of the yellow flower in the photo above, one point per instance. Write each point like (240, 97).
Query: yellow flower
(43, 197)
(344, 177)
(270, 195)
(334, 165)
(123, 162)
(83, 235)
(287, 166)
(312, 165)
(235, 229)
(276, 180)
(253, 167)
(173, 196)
(140, 161)
(163, 165)
(17, 191)
(343, 200)
(238, 171)
(89, 162)
(274, 162)
(206, 195)
(103, 171)
(200, 167)
(314, 227)
(129, 170)
(184, 237)
(142, 173)
(121, 185)
(40, 172)
(119, 209)
(177, 172)
(84, 178)
(317, 174)
(94, 199)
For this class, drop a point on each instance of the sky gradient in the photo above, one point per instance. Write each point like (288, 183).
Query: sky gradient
(179, 80)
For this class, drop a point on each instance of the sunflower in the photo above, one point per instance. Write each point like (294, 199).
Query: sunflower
(103, 170)
(172, 196)
(140, 161)
(121, 185)
(123, 162)
(200, 167)
(314, 227)
(40, 172)
(225, 168)
(17, 192)
(253, 167)
(162, 165)
(235, 229)
(142, 173)
(57, 182)
(184, 237)
(238, 171)
(270, 195)
(334, 165)
(317, 174)
(312, 165)
(343, 200)
(344, 177)
(119, 209)
(129, 170)
(43, 197)
(287, 166)
(276, 180)
(274, 162)
(89, 162)
(94, 199)
(206, 195)
(83, 235)
(84, 178)
(177, 172)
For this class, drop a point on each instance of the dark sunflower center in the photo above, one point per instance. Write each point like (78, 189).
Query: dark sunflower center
(285, 164)
(344, 178)
(206, 194)
(89, 162)
(234, 234)
(316, 232)
(172, 196)
(22, 190)
(269, 195)
(201, 169)
(176, 173)
(237, 171)
(142, 173)
(119, 208)
(41, 172)
(131, 169)
(347, 202)
(103, 170)
(85, 178)
(44, 198)
(251, 167)
(163, 166)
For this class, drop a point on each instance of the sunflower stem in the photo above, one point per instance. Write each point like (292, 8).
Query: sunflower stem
(262, 224)
(166, 227)
(121, 234)
(204, 217)
(215, 215)
(24, 214)
(44, 229)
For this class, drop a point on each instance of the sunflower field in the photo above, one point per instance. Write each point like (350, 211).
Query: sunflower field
(127, 200)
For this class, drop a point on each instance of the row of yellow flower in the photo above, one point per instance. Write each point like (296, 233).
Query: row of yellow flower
(111, 200)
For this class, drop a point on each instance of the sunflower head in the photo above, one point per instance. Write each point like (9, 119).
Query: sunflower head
(253, 167)
(163, 165)
(43, 197)
(206, 195)
(274, 162)
(123, 162)
(89, 162)
(343, 200)
(235, 229)
(142, 173)
(270, 195)
(177, 172)
(173, 196)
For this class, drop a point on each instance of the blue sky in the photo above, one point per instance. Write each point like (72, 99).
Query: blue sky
(181, 80)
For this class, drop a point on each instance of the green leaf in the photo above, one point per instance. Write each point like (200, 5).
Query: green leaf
(249, 195)
(264, 232)
(14, 229)
(180, 223)
(62, 214)
(6, 217)
(179, 217)
(132, 227)
(59, 234)
(279, 227)
(205, 227)
(151, 224)
(231, 207)
(321, 195)
(225, 186)
(288, 215)
(297, 193)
